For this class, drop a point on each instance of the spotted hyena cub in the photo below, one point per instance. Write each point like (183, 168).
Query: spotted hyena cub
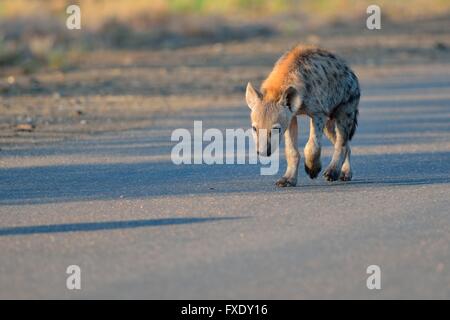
(313, 82)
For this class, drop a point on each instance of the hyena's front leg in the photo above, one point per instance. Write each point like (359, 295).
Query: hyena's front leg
(289, 179)
(312, 151)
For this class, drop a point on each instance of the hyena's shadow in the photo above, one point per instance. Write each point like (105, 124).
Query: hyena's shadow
(86, 182)
(391, 170)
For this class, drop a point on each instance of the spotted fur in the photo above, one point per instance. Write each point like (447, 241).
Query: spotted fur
(309, 81)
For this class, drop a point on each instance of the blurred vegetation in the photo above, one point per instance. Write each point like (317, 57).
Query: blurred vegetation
(103, 9)
(33, 33)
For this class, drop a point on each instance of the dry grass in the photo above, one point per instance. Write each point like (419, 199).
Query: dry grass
(95, 12)
(33, 33)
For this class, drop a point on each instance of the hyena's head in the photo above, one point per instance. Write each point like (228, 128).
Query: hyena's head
(270, 118)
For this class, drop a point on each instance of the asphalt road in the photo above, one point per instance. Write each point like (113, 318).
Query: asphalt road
(140, 227)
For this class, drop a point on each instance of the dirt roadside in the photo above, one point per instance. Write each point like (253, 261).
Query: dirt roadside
(120, 90)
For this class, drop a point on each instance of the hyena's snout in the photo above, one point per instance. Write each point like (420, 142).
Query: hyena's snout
(268, 143)
(265, 152)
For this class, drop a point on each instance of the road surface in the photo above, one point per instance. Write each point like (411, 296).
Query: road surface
(139, 226)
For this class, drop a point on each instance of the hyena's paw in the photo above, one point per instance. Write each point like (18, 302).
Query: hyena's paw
(346, 176)
(286, 182)
(313, 164)
(331, 174)
(313, 170)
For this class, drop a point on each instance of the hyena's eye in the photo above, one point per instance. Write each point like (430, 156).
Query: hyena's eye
(254, 129)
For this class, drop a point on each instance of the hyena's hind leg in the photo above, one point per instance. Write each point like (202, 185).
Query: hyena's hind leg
(289, 179)
(312, 150)
(346, 170)
(345, 125)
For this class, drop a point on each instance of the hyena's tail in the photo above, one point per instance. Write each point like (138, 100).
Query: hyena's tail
(353, 112)
(354, 124)
(346, 116)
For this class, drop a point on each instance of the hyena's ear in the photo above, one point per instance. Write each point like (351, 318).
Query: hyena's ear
(291, 99)
(252, 96)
